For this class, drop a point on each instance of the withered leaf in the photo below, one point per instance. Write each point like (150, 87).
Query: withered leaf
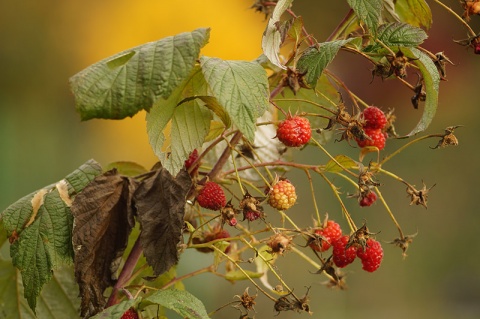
(160, 202)
(103, 219)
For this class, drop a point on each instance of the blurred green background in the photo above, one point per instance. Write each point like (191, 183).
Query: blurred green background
(42, 140)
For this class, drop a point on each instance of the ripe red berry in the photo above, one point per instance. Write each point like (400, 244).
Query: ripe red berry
(374, 118)
(130, 314)
(368, 199)
(327, 235)
(282, 196)
(192, 158)
(378, 138)
(476, 47)
(294, 131)
(212, 196)
(343, 256)
(371, 255)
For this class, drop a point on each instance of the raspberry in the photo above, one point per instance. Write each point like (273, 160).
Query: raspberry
(476, 48)
(251, 215)
(130, 314)
(368, 199)
(191, 158)
(374, 118)
(378, 138)
(212, 196)
(342, 256)
(216, 233)
(282, 196)
(328, 234)
(371, 255)
(294, 131)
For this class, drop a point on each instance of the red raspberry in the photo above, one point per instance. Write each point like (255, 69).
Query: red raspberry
(212, 196)
(216, 233)
(294, 131)
(368, 199)
(282, 196)
(378, 138)
(371, 255)
(374, 118)
(251, 215)
(192, 158)
(342, 256)
(329, 234)
(130, 314)
(476, 48)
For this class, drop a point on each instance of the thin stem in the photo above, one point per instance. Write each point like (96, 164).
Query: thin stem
(189, 275)
(389, 157)
(333, 158)
(389, 212)
(347, 20)
(306, 101)
(310, 182)
(456, 16)
(225, 156)
(126, 272)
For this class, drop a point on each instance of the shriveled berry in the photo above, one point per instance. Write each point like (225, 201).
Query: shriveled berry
(377, 138)
(279, 243)
(343, 256)
(191, 158)
(212, 196)
(215, 233)
(294, 131)
(371, 255)
(368, 199)
(374, 118)
(282, 196)
(130, 314)
(326, 236)
(251, 215)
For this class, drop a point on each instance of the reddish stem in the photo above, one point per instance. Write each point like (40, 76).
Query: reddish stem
(126, 272)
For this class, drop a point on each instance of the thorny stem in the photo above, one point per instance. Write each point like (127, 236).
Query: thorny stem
(347, 20)
(456, 16)
(126, 272)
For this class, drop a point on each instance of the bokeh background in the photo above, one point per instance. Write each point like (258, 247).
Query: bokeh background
(43, 43)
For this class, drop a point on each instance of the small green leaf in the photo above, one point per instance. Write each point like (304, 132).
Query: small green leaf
(130, 169)
(241, 87)
(432, 84)
(398, 34)
(296, 30)
(316, 58)
(182, 302)
(345, 162)
(132, 80)
(414, 12)
(272, 38)
(237, 275)
(216, 129)
(40, 227)
(368, 11)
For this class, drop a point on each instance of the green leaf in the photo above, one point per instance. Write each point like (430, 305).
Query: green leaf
(414, 12)
(182, 302)
(345, 162)
(368, 11)
(116, 311)
(398, 34)
(132, 80)
(241, 87)
(316, 58)
(432, 84)
(127, 168)
(272, 37)
(179, 125)
(39, 226)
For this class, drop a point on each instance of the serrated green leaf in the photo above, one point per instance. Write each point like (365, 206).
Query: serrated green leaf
(237, 275)
(216, 129)
(132, 80)
(368, 11)
(414, 12)
(272, 38)
(316, 58)
(241, 87)
(398, 34)
(432, 85)
(175, 129)
(40, 227)
(212, 104)
(182, 302)
(345, 162)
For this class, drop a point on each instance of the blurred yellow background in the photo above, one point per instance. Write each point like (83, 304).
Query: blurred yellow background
(43, 43)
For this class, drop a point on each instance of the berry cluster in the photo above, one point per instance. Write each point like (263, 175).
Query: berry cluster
(375, 122)
(347, 248)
